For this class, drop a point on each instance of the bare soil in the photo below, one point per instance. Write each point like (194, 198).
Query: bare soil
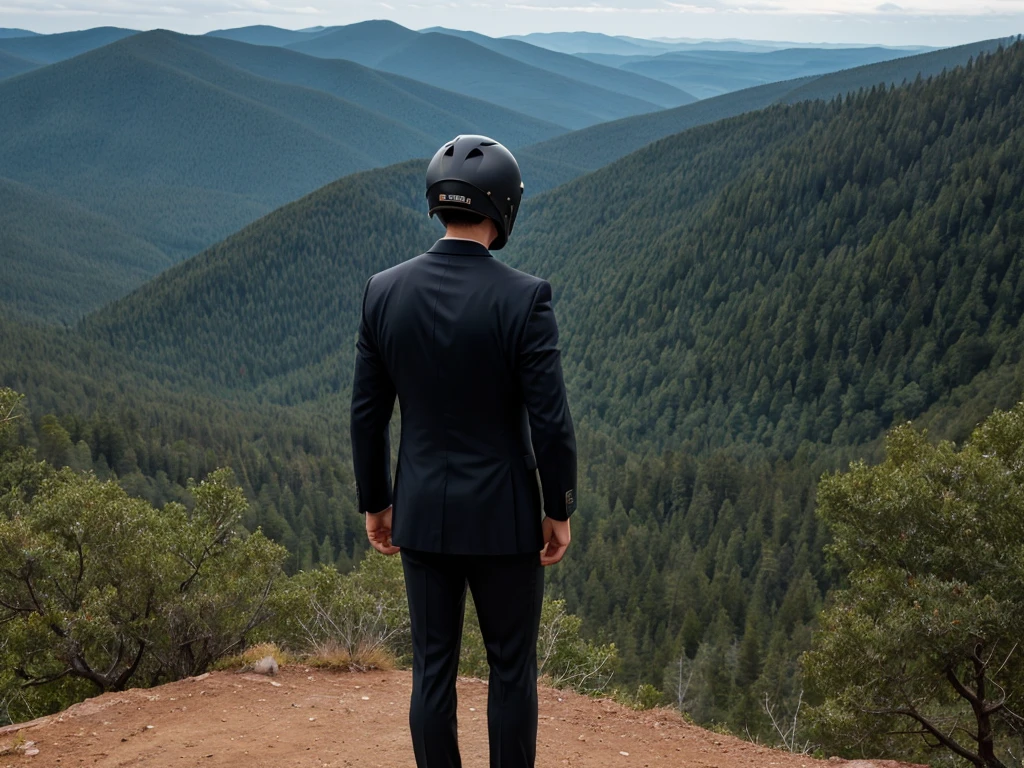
(309, 718)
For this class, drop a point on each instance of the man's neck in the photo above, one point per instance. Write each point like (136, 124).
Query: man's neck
(483, 233)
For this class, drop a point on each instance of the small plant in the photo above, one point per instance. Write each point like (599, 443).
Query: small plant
(336, 657)
(647, 697)
(786, 730)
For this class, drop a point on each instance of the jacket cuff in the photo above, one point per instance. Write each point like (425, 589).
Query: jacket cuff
(560, 507)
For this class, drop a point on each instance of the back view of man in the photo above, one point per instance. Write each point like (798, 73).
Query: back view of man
(468, 346)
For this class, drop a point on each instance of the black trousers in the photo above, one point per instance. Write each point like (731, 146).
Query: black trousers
(508, 591)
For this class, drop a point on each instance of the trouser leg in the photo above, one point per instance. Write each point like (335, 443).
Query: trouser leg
(436, 588)
(508, 592)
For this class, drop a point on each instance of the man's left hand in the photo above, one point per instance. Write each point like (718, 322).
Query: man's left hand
(378, 531)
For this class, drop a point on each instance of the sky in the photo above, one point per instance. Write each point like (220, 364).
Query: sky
(896, 22)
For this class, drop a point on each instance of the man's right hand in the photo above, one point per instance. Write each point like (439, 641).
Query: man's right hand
(556, 540)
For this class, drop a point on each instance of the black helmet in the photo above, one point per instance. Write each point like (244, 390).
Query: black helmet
(475, 173)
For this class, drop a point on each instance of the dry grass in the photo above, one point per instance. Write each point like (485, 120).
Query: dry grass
(251, 655)
(328, 656)
(339, 658)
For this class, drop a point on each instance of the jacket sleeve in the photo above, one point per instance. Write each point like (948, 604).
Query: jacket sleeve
(540, 379)
(373, 400)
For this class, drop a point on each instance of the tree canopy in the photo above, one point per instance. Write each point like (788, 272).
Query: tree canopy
(925, 638)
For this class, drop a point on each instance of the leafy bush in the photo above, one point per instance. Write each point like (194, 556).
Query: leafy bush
(99, 591)
(360, 619)
(922, 650)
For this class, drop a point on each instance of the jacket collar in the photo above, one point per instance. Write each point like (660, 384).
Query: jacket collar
(454, 247)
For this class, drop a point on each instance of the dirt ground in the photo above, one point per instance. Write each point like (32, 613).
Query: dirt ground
(308, 718)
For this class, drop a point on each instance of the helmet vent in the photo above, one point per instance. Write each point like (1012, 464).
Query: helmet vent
(475, 152)
(488, 143)
(450, 151)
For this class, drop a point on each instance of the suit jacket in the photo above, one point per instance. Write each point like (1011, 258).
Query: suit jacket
(469, 346)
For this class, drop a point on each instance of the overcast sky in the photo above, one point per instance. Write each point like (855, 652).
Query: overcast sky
(900, 22)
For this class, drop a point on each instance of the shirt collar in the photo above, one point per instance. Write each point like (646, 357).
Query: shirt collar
(458, 247)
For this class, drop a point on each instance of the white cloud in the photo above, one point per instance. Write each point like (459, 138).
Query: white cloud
(121, 8)
(889, 22)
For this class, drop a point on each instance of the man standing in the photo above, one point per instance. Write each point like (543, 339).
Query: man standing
(469, 347)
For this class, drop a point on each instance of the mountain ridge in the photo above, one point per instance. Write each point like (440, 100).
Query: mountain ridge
(592, 148)
(145, 134)
(430, 57)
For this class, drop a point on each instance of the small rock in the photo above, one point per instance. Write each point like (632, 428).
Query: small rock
(624, 754)
(266, 666)
(32, 752)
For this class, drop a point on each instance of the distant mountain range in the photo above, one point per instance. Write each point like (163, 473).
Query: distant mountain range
(562, 158)
(168, 143)
(623, 45)
(486, 71)
(178, 141)
(11, 65)
(47, 49)
(9, 32)
(711, 73)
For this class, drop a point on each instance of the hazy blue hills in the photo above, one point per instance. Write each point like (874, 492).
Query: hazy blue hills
(57, 257)
(7, 32)
(11, 65)
(262, 34)
(153, 111)
(610, 78)
(712, 73)
(463, 66)
(592, 148)
(47, 49)
(366, 42)
(175, 147)
(434, 111)
(592, 42)
(623, 45)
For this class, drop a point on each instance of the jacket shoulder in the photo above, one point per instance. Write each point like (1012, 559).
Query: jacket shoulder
(379, 282)
(520, 281)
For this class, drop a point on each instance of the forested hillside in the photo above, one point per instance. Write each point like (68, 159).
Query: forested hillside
(94, 408)
(11, 65)
(809, 273)
(595, 147)
(57, 257)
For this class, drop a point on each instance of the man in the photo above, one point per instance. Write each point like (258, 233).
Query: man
(469, 347)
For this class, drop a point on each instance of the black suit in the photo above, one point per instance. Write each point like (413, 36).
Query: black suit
(469, 347)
